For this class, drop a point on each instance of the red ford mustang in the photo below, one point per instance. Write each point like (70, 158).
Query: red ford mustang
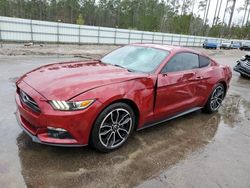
(101, 102)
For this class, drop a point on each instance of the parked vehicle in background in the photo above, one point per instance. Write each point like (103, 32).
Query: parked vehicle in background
(235, 44)
(243, 66)
(245, 46)
(209, 44)
(225, 45)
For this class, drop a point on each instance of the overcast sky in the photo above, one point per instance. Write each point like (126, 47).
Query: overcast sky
(237, 17)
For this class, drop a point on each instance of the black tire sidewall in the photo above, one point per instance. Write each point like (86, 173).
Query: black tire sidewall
(94, 139)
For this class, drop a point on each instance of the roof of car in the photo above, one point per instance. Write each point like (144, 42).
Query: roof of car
(166, 47)
(159, 46)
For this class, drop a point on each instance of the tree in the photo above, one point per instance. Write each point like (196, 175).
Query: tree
(208, 6)
(248, 15)
(231, 14)
(218, 14)
(215, 13)
(203, 7)
(245, 12)
(172, 16)
(225, 11)
(80, 20)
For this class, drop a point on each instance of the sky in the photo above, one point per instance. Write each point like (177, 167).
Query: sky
(237, 17)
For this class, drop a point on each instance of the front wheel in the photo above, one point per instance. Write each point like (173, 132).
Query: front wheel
(216, 98)
(113, 127)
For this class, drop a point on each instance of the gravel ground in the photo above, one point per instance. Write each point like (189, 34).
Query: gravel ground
(85, 51)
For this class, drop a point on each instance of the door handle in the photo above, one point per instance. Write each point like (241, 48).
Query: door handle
(196, 78)
(199, 78)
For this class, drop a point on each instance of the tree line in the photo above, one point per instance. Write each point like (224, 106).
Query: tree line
(171, 16)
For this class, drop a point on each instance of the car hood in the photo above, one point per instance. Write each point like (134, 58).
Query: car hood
(63, 81)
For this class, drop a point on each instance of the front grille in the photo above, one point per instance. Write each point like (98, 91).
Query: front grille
(28, 101)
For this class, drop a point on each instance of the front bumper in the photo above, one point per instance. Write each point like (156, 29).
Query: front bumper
(36, 138)
(242, 70)
(78, 124)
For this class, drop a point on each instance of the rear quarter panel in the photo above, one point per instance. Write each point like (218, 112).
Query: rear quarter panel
(213, 75)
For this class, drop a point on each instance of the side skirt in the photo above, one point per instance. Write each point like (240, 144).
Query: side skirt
(170, 118)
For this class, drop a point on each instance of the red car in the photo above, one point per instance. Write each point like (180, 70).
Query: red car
(101, 102)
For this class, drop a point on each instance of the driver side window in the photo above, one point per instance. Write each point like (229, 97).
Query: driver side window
(181, 62)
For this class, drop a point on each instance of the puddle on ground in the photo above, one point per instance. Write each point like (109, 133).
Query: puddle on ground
(146, 153)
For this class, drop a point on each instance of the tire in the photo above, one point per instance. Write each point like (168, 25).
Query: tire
(112, 127)
(244, 76)
(215, 100)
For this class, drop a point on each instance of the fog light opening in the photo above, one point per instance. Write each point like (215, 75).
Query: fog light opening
(58, 133)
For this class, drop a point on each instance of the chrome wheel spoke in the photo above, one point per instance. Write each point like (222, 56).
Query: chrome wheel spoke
(106, 126)
(114, 118)
(125, 121)
(108, 138)
(122, 118)
(120, 134)
(111, 140)
(121, 129)
(219, 93)
(219, 100)
(106, 132)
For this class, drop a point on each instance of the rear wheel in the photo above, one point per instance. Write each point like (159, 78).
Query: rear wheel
(113, 127)
(216, 98)
(243, 76)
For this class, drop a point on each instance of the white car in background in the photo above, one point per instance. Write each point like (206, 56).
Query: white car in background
(225, 45)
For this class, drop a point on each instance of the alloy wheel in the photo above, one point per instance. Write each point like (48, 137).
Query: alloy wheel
(217, 98)
(115, 128)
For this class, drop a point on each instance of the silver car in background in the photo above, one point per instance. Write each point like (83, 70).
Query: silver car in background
(225, 45)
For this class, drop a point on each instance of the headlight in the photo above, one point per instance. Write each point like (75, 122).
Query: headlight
(69, 105)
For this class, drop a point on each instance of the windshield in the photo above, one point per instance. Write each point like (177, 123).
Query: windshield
(136, 58)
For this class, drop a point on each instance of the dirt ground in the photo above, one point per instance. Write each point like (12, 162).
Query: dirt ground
(196, 150)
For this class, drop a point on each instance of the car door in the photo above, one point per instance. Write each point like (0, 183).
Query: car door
(176, 85)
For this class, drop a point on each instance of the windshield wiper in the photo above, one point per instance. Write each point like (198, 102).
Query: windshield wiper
(129, 70)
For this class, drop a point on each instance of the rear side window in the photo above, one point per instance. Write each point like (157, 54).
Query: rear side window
(204, 61)
(181, 62)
